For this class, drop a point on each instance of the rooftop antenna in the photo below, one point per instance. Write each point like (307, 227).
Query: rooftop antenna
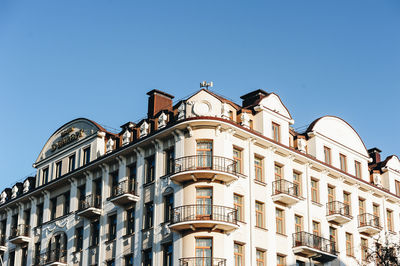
(206, 84)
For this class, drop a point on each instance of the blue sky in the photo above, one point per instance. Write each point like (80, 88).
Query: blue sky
(60, 60)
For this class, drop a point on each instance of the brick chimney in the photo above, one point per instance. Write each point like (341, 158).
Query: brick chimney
(158, 101)
(252, 97)
(375, 154)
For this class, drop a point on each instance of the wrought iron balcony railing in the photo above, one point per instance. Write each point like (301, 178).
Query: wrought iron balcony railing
(337, 207)
(199, 212)
(367, 219)
(124, 187)
(53, 256)
(202, 261)
(90, 201)
(314, 241)
(20, 230)
(285, 187)
(203, 162)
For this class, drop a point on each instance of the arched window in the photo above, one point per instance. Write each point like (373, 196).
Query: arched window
(57, 248)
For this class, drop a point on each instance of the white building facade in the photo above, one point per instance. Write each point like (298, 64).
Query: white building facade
(203, 182)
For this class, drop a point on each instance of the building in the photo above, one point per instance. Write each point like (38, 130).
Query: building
(203, 182)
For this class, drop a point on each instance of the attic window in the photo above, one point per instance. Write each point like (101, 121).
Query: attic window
(276, 131)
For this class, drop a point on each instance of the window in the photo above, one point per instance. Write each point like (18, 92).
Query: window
(364, 249)
(86, 156)
(167, 254)
(361, 205)
(71, 163)
(349, 244)
(276, 132)
(53, 204)
(114, 183)
(260, 257)
(36, 259)
(66, 205)
(343, 162)
(237, 157)
(150, 169)
(347, 201)
(278, 172)
(130, 221)
(259, 214)
(333, 237)
(94, 233)
(45, 175)
(375, 210)
(238, 250)
(58, 169)
(148, 215)
(280, 260)
(316, 228)
(331, 194)
(11, 258)
(397, 184)
(203, 250)
(112, 227)
(298, 223)
(314, 190)
(327, 155)
(258, 169)
(39, 211)
(357, 166)
(169, 161)
(204, 153)
(24, 256)
(110, 262)
(132, 178)
(168, 206)
(238, 204)
(79, 238)
(128, 260)
(389, 217)
(147, 257)
(203, 202)
(230, 115)
(297, 184)
(280, 221)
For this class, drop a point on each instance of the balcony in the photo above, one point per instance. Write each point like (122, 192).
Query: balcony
(204, 168)
(210, 217)
(285, 192)
(314, 246)
(202, 261)
(20, 234)
(3, 243)
(90, 207)
(54, 257)
(338, 212)
(368, 224)
(124, 193)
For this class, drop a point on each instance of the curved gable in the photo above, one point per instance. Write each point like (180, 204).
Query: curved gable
(393, 163)
(340, 131)
(68, 134)
(274, 103)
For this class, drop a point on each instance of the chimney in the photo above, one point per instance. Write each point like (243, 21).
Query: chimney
(158, 101)
(375, 154)
(252, 97)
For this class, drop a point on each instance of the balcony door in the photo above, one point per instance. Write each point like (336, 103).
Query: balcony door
(204, 153)
(203, 251)
(203, 203)
(331, 200)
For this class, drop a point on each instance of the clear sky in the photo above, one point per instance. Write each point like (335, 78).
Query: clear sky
(64, 59)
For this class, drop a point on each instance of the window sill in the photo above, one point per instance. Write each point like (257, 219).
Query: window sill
(109, 241)
(262, 228)
(128, 235)
(316, 203)
(280, 234)
(242, 222)
(148, 184)
(260, 182)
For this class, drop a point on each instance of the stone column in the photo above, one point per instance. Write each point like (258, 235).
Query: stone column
(120, 215)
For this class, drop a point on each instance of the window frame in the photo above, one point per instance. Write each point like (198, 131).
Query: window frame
(276, 132)
(327, 155)
(315, 189)
(260, 214)
(259, 168)
(343, 162)
(280, 221)
(239, 206)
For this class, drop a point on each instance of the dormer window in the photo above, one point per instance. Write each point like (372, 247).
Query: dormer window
(343, 162)
(58, 169)
(86, 156)
(357, 166)
(45, 175)
(327, 155)
(71, 163)
(276, 132)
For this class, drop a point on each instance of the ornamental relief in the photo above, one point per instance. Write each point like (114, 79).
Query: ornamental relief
(65, 223)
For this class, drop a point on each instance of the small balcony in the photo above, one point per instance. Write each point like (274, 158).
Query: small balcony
(3, 243)
(314, 246)
(124, 193)
(20, 234)
(54, 257)
(369, 224)
(209, 217)
(285, 192)
(90, 207)
(338, 212)
(202, 261)
(204, 168)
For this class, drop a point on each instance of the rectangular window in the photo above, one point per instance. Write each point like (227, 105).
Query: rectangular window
(168, 206)
(349, 244)
(112, 227)
(148, 215)
(238, 250)
(132, 178)
(333, 237)
(364, 249)
(347, 200)
(203, 250)
(327, 155)
(53, 205)
(36, 259)
(147, 257)
(71, 163)
(94, 233)
(397, 184)
(259, 214)
(278, 172)
(24, 258)
(67, 201)
(280, 221)
(316, 228)
(130, 221)
(260, 257)
(86, 156)
(150, 169)
(389, 216)
(237, 157)
(298, 189)
(169, 161)
(114, 183)
(238, 204)
(298, 223)
(79, 238)
(280, 260)
(167, 254)
(45, 175)
(203, 202)
(357, 166)
(376, 210)
(314, 190)
(276, 132)
(58, 169)
(361, 205)
(258, 169)
(331, 194)
(128, 260)
(39, 211)
(110, 262)
(204, 153)
(343, 162)
(11, 258)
